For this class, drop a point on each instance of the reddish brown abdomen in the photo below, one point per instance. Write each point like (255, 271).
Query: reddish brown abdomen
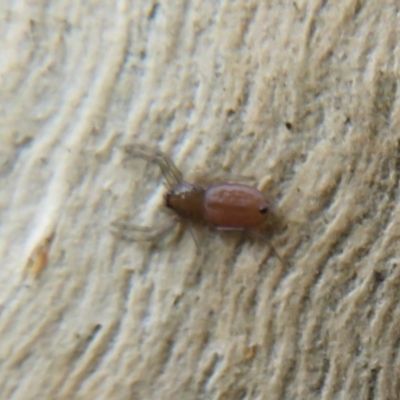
(234, 206)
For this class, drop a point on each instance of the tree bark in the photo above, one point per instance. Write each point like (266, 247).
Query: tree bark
(302, 96)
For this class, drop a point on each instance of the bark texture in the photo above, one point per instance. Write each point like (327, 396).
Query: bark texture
(302, 95)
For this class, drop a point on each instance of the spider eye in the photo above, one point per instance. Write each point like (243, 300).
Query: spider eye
(263, 209)
(167, 198)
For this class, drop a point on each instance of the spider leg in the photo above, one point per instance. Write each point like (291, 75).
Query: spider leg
(123, 229)
(171, 173)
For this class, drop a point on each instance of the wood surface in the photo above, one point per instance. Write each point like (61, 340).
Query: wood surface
(301, 95)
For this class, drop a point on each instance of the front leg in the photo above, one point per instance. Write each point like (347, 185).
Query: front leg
(123, 229)
(171, 173)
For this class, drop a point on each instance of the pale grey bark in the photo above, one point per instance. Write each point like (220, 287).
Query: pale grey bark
(301, 95)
